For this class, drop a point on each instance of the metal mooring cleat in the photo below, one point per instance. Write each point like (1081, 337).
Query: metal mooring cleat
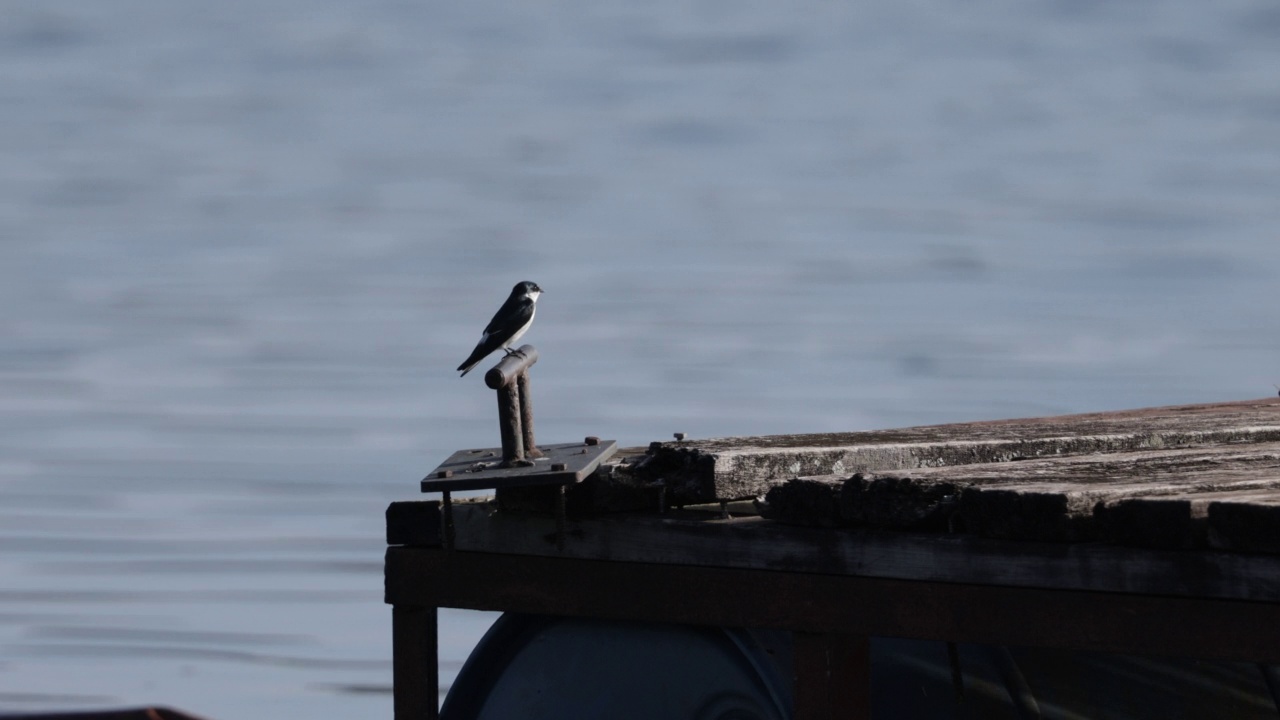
(519, 462)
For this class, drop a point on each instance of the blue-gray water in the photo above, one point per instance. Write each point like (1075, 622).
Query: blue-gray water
(243, 245)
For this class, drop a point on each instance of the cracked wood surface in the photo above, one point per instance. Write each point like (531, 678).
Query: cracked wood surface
(1223, 495)
(731, 468)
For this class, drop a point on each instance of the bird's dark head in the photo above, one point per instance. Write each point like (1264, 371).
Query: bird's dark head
(527, 288)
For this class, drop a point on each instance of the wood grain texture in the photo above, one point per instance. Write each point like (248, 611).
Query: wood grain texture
(823, 603)
(1249, 524)
(414, 522)
(730, 468)
(704, 540)
(813, 502)
(1072, 498)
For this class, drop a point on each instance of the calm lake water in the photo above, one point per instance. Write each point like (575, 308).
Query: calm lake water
(244, 244)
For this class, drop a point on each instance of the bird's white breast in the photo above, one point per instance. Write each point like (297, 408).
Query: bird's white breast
(522, 330)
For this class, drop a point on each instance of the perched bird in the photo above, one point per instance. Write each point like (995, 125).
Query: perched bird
(512, 319)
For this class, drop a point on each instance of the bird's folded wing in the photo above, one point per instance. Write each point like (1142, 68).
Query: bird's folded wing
(512, 316)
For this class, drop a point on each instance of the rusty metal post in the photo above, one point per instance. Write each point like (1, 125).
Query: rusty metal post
(526, 415)
(510, 378)
(509, 425)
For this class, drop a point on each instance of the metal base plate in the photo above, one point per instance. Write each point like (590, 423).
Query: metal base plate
(479, 469)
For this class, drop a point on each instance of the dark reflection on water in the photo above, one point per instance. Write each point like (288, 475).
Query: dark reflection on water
(43, 597)
(121, 546)
(54, 700)
(169, 636)
(207, 567)
(127, 650)
(354, 689)
(243, 246)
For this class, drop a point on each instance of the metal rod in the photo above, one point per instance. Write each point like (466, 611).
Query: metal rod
(526, 414)
(509, 426)
(505, 372)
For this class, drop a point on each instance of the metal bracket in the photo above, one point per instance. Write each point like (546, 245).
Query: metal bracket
(519, 462)
(483, 469)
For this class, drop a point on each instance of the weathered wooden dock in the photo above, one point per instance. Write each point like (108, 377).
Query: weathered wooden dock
(1149, 532)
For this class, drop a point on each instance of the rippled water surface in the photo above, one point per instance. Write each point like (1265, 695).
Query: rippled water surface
(243, 245)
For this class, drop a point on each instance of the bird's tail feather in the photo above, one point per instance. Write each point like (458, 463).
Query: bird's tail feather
(469, 364)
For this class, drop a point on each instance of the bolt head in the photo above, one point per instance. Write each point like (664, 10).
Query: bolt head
(559, 467)
(592, 440)
(444, 474)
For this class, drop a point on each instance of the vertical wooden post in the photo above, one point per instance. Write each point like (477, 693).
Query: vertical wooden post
(415, 668)
(832, 676)
(446, 523)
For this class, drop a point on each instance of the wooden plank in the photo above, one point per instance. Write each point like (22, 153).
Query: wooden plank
(1249, 524)
(1164, 521)
(415, 663)
(1057, 499)
(730, 468)
(413, 522)
(899, 501)
(814, 502)
(757, 543)
(832, 676)
(816, 603)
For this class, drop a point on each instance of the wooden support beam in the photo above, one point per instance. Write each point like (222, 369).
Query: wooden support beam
(415, 659)
(1249, 525)
(414, 522)
(1101, 621)
(754, 543)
